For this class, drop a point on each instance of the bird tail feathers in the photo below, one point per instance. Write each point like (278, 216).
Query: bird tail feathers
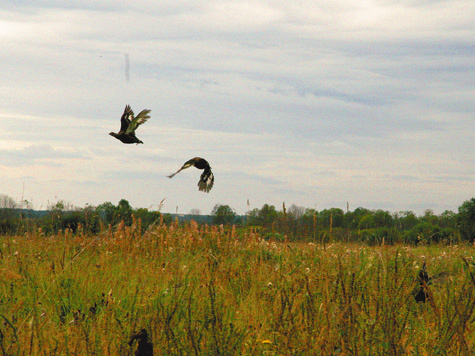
(206, 181)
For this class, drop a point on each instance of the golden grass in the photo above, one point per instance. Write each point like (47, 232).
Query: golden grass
(201, 290)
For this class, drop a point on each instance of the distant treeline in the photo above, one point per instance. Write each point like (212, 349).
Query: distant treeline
(372, 227)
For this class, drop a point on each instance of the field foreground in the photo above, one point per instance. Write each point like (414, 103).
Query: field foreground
(201, 290)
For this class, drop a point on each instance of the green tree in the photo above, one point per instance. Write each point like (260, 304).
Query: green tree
(124, 212)
(333, 217)
(309, 222)
(353, 218)
(448, 219)
(268, 215)
(147, 217)
(264, 217)
(406, 220)
(367, 222)
(430, 217)
(466, 219)
(107, 212)
(383, 218)
(113, 215)
(310, 218)
(7, 214)
(223, 214)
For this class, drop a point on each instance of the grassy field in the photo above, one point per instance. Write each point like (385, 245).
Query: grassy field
(202, 290)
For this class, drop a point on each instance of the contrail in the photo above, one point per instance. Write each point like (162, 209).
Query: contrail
(127, 67)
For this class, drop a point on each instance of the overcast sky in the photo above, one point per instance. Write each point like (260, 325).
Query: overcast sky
(314, 103)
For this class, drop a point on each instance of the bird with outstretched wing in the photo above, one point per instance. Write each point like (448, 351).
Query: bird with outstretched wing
(206, 181)
(128, 125)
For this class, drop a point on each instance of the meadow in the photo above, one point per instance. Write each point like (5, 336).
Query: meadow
(214, 290)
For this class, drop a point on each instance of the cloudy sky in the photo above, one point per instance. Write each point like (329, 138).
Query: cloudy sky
(313, 103)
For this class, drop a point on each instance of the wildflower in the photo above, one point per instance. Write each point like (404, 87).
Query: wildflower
(266, 342)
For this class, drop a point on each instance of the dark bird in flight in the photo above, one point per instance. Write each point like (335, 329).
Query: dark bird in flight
(207, 178)
(128, 125)
(144, 346)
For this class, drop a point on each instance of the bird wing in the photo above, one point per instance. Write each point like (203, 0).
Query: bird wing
(126, 118)
(174, 174)
(138, 120)
(185, 166)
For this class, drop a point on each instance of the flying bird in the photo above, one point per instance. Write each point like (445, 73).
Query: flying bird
(207, 178)
(128, 125)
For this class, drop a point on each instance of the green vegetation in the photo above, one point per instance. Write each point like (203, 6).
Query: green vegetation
(81, 281)
(223, 214)
(62, 217)
(218, 290)
(372, 227)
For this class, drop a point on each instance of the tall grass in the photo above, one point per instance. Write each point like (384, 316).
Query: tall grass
(201, 290)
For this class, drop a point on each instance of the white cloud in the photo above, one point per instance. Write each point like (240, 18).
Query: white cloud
(314, 103)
